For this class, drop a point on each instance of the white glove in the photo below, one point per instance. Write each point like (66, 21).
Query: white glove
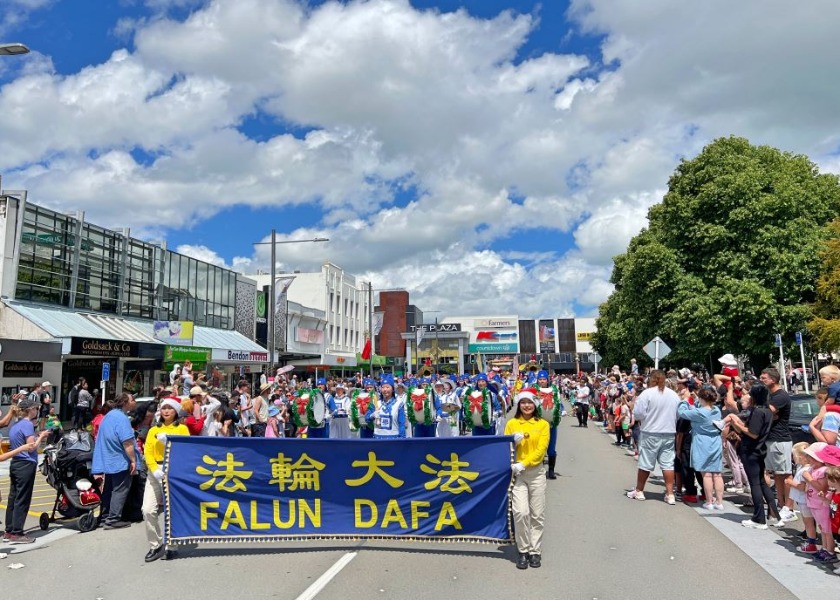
(518, 437)
(158, 474)
(161, 437)
(328, 417)
(517, 468)
(376, 414)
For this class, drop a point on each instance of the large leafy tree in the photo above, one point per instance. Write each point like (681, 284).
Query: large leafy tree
(825, 326)
(730, 257)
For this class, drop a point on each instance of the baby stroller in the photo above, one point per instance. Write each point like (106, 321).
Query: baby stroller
(67, 464)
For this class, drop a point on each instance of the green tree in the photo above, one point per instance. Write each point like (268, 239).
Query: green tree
(825, 326)
(730, 257)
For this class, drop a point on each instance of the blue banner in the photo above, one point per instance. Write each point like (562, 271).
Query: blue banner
(436, 489)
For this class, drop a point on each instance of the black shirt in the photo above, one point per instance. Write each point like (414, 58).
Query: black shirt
(759, 424)
(780, 432)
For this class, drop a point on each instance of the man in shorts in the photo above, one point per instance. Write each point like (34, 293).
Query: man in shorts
(779, 443)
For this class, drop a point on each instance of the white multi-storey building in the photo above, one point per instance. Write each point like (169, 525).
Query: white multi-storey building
(344, 302)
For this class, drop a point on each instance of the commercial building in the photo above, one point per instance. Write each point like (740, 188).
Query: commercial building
(98, 293)
(342, 303)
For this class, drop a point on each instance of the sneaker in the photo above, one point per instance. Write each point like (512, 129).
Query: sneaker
(15, 538)
(776, 522)
(807, 548)
(708, 506)
(679, 496)
(734, 489)
(750, 524)
(670, 500)
(155, 553)
(117, 525)
(6, 535)
(690, 498)
(824, 556)
(717, 506)
(534, 561)
(787, 514)
(636, 494)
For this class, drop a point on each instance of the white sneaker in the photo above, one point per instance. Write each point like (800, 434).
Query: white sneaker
(718, 507)
(670, 499)
(750, 524)
(734, 489)
(635, 495)
(708, 506)
(787, 514)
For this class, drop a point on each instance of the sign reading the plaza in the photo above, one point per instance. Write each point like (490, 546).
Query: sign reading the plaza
(239, 356)
(502, 323)
(174, 332)
(436, 327)
(95, 347)
(23, 369)
(220, 489)
(179, 354)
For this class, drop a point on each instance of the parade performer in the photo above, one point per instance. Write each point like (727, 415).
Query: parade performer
(389, 419)
(424, 410)
(450, 406)
(340, 425)
(530, 433)
(481, 407)
(322, 430)
(360, 405)
(549, 408)
(401, 392)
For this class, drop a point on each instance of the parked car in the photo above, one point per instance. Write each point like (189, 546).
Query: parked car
(803, 408)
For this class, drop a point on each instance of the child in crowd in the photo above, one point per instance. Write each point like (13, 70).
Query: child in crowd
(797, 492)
(816, 491)
(832, 475)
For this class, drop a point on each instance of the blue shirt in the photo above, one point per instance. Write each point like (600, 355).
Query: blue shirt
(834, 391)
(18, 435)
(109, 453)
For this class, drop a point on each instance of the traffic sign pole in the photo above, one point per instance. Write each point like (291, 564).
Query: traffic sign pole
(802, 355)
(782, 369)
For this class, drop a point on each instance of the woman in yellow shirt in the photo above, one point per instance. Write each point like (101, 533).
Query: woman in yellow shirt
(531, 434)
(153, 494)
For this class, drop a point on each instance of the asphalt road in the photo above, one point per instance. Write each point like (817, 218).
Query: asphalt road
(598, 545)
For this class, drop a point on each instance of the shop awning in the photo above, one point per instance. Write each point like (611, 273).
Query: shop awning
(61, 322)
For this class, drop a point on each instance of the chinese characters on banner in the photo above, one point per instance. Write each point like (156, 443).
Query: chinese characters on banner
(221, 489)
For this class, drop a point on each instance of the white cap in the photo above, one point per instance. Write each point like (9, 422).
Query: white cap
(728, 360)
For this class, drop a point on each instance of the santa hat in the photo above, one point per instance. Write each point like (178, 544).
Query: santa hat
(524, 394)
(172, 402)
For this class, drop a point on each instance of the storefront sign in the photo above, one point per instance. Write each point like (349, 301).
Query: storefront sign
(23, 369)
(492, 348)
(95, 347)
(309, 336)
(584, 336)
(435, 327)
(548, 334)
(331, 360)
(239, 356)
(179, 354)
(500, 323)
(83, 363)
(29, 351)
(174, 332)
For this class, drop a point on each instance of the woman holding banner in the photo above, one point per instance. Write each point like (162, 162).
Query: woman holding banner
(531, 434)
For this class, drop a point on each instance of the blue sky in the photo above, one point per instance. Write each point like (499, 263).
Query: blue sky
(440, 145)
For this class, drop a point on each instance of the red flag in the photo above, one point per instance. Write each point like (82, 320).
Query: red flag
(366, 351)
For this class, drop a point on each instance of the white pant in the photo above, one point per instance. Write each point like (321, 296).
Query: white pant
(528, 502)
(152, 505)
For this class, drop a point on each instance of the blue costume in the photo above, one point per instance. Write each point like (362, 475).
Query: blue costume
(388, 419)
(553, 418)
(495, 408)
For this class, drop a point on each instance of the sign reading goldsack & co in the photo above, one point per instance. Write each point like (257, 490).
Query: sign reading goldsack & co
(95, 347)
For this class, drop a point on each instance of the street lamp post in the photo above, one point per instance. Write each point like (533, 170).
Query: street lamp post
(13, 49)
(271, 303)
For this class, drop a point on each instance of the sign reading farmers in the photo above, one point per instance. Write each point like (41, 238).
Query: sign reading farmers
(223, 489)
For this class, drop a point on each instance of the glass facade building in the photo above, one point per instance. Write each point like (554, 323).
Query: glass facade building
(68, 262)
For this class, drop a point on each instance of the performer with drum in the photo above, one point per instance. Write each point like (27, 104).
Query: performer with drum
(321, 430)
(309, 409)
(362, 402)
(424, 411)
(481, 407)
(450, 406)
(548, 408)
(340, 425)
(389, 418)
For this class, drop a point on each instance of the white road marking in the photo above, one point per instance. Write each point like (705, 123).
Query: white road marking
(324, 579)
